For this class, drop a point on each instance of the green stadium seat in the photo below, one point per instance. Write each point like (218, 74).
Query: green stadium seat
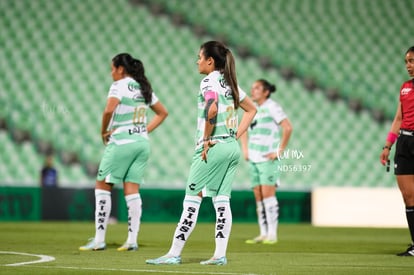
(69, 69)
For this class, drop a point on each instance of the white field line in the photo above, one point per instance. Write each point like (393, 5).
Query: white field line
(46, 258)
(43, 258)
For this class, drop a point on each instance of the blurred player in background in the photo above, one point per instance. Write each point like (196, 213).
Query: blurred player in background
(48, 174)
(217, 152)
(125, 131)
(262, 145)
(402, 131)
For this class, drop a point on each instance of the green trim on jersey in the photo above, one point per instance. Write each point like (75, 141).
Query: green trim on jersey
(258, 147)
(264, 132)
(132, 102)
(261, 131)
(227, 117)
(130, 116)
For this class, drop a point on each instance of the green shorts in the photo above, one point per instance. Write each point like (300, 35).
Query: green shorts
(217, 174)
(124, 163)
(264, 173)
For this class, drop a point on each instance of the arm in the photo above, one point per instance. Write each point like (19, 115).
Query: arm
(161, 113)
(211, 110)
(249, 112)
(395, 127)
(244, 144)
(286, 132)
(110, 107)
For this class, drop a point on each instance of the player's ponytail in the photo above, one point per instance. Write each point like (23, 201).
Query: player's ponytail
(267, 86)
(224, 62)
(230, 77)
(135, 68)
(138, 73)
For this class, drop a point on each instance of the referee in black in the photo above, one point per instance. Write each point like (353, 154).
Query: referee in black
(402, 131)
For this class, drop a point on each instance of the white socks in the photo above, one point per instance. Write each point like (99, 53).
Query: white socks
(261, 218)
(134, 205)
(223, 224)
(188, 220)
(103, 205)
(272, 214)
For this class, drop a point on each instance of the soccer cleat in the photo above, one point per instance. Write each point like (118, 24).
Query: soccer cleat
(164, 260)
(128, 247)
(93, 246)
(408, 252)
(258, 239)
(267, 241)
(215, 261)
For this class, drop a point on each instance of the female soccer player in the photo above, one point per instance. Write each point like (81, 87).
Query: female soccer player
(262, 147)
(124, 131)
(402, 131)
(217, 152)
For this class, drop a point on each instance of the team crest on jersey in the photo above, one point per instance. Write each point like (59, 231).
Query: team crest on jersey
(133, 86)
(222, 82)
(228, 93)
(405, 91)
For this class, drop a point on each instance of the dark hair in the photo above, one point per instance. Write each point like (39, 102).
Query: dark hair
(267, 86)
(135, 69)
(224, 62)
(410, 49)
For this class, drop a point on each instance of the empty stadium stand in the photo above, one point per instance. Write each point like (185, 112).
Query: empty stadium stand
(56, 59)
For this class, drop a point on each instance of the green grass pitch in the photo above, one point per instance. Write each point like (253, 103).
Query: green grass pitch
(302, 249)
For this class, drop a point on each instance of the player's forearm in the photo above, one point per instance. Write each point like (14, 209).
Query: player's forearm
(287, 132)
(283, 143)
(245, 122)
(244, 141)
(248, 115)
(211, 111)
(106, 118)
(156, 121)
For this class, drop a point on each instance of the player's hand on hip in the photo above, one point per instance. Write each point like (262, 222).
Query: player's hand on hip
(207, 145)
(274, 156)
(106, 135)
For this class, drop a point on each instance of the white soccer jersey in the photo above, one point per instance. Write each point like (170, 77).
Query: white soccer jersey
(130, 116)
(227, 119)
(264, 131)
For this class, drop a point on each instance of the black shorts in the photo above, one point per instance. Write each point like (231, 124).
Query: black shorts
(404, 156)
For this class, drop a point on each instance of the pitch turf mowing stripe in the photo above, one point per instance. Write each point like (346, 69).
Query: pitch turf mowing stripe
(151, 271)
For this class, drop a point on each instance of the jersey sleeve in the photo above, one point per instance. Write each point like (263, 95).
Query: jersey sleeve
(115, 90)
(154, 99)
(277, 113)
(242, 94)
(208, 89)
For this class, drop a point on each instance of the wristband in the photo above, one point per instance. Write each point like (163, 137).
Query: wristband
(392, 137)
(386, 147)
